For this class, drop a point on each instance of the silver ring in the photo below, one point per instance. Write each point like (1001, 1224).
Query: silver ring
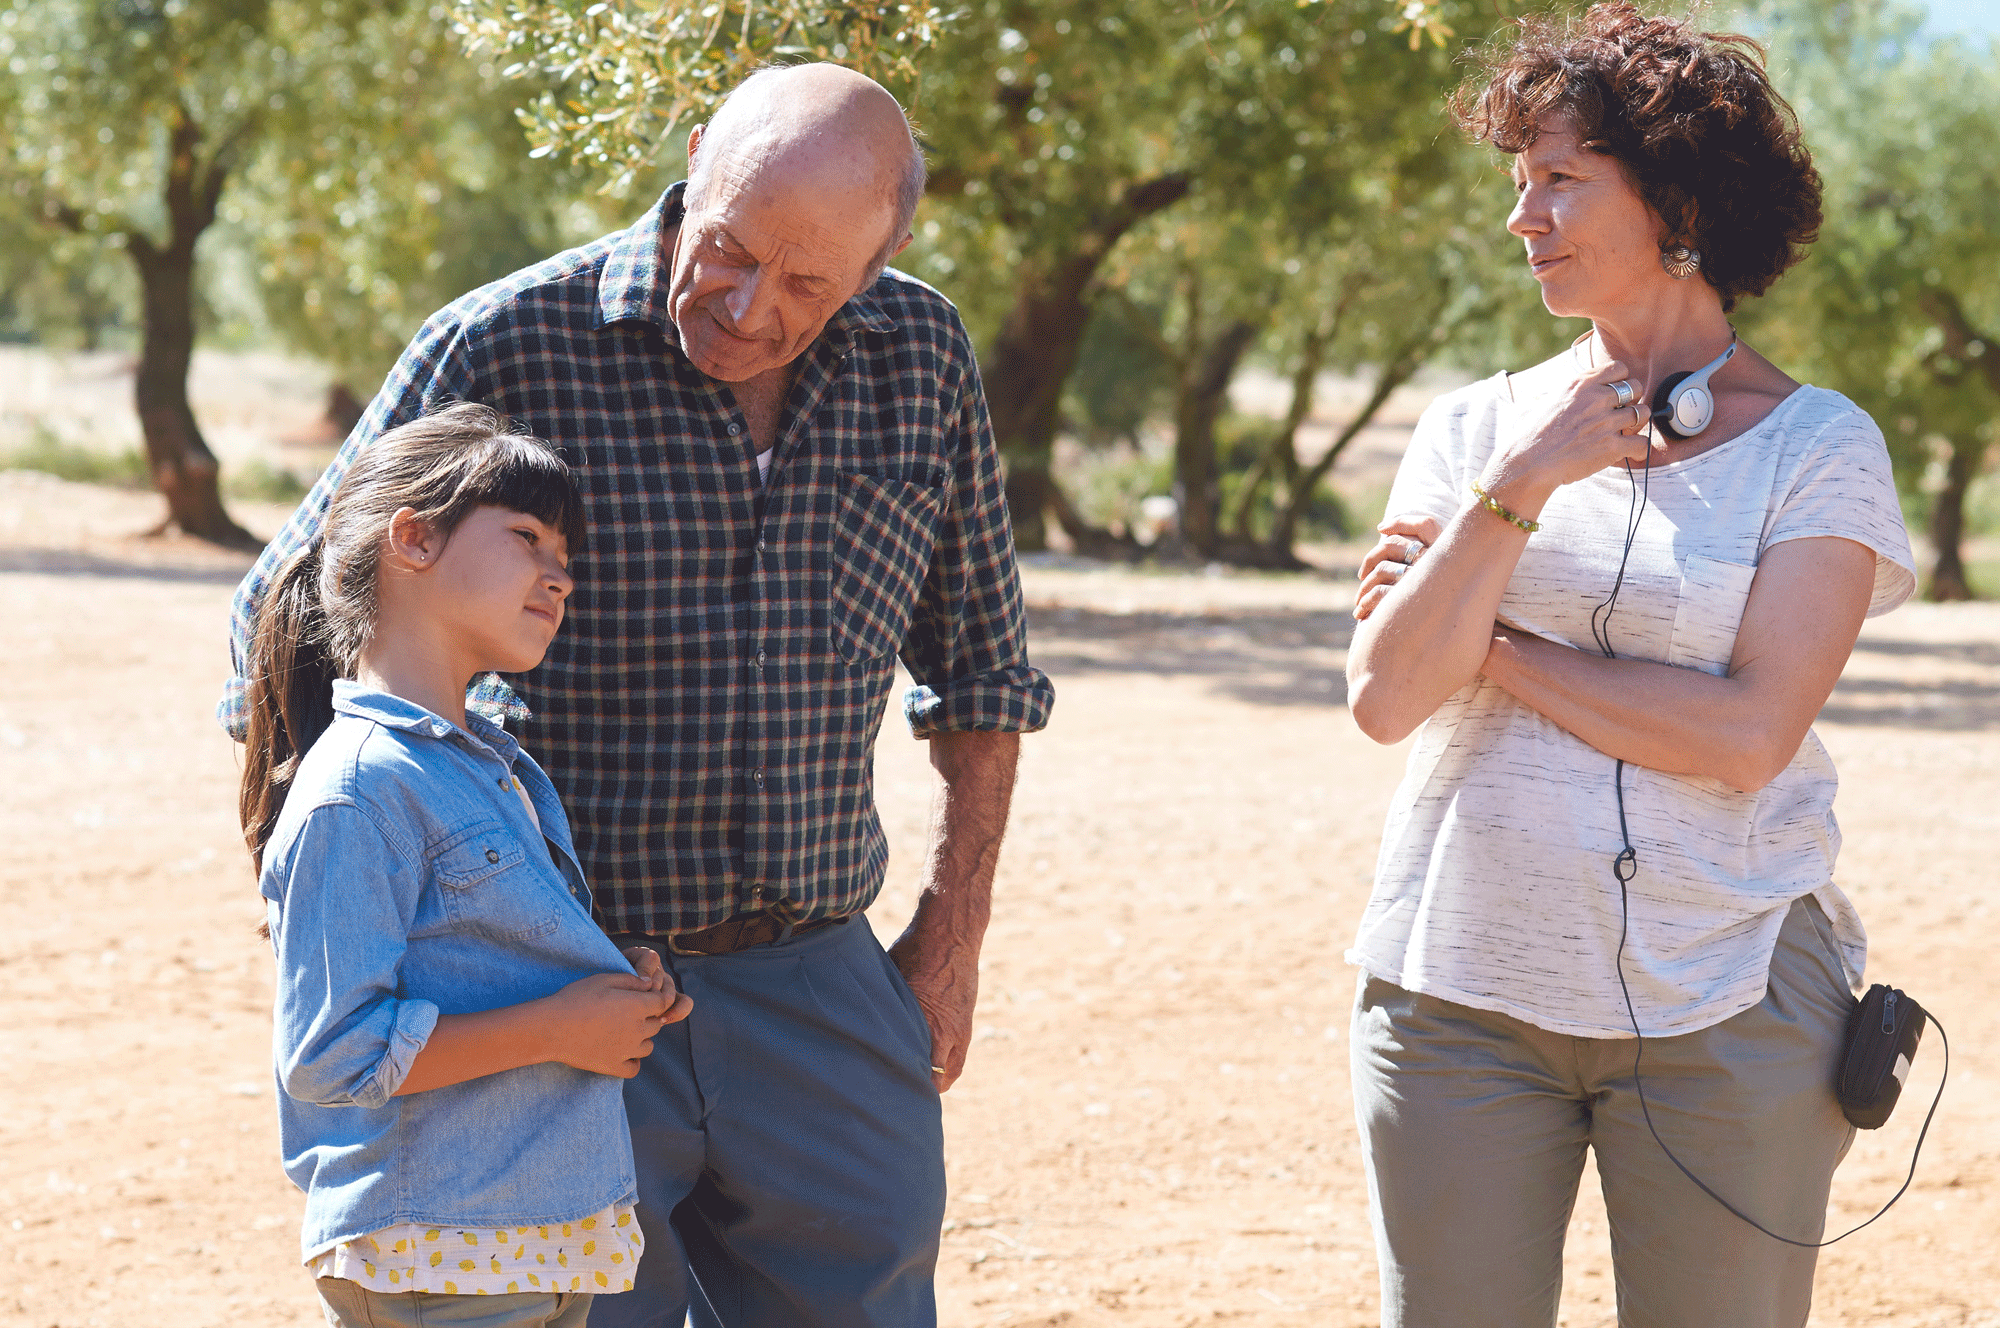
(1412, 551)
(1638, 417)
(1623, 387)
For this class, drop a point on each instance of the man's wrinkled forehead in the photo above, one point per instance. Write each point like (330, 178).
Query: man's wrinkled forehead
(755, 204)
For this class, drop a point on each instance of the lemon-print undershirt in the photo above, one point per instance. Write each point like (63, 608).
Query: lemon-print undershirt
(595, 1254)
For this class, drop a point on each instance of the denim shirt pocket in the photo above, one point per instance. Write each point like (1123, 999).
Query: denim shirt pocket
(489, 886)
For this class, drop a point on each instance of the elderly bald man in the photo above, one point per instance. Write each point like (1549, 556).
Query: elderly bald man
(790, 480)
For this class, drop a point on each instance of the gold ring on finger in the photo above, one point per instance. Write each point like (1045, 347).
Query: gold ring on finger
(1623, 389)
(937, 1069)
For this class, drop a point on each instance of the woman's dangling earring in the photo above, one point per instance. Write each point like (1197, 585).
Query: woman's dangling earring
(1680, 261)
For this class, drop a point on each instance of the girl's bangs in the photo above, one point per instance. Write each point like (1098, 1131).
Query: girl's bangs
(525, 475)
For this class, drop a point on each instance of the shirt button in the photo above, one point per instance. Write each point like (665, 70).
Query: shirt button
(760, 544)
(757, 776)
(503, 783)
(760, 659)
(493, 855)
(735, 429)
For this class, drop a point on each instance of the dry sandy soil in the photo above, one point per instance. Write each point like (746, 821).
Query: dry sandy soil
(1154, 1128)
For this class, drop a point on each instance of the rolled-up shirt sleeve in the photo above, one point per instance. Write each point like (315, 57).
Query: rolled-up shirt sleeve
(967, 647)
(436, 368)
(345, 898)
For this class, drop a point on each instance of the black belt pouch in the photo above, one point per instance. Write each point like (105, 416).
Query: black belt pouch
(1882, 1037)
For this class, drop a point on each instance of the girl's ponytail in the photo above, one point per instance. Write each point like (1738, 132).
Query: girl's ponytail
(290, 696)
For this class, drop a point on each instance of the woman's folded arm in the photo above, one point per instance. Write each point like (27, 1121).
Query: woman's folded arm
(1799, 625)
(1430, 635)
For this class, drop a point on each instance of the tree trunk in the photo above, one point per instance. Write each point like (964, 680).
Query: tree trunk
(1429, 335)
(1948, 581)
(1036, 350)
(343, 410)
(1282, 453)
(1203, 393)
(184, 469)
(1975, 352)
(1285, 521)
(1025, 371)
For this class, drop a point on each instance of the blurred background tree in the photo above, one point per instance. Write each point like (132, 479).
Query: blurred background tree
(125, 121)
(1134, 206)
(362, 167)
(1215, 139)
(1055, 128)
(1899, 304)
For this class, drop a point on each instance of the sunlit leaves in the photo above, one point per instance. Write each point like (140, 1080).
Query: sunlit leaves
(630, 76)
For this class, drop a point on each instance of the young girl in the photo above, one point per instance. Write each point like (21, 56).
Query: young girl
(451, 1026)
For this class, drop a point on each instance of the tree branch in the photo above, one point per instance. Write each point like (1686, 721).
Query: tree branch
(59, 213)
(1147, 330)
(221, 163)
(1961, 338)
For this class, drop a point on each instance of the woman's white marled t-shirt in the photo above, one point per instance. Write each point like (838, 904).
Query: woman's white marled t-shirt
(1494, 886)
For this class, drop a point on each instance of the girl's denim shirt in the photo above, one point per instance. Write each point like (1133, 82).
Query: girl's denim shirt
(405, 880)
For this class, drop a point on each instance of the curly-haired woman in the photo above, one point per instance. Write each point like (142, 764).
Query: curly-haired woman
(1615, 627)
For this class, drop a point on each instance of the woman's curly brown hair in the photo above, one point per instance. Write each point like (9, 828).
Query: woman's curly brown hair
(1703, 136)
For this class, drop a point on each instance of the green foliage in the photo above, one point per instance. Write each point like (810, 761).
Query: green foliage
(366, 171)
(415, 192)
(1122, 381)
(1899, 304)
(257, 480)
(1038, 116)
(1110, 485)
(1902, 128)
(634, 74)
(61, 289)
(50, 454)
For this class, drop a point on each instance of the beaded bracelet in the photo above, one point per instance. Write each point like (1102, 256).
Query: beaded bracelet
(1492, 504)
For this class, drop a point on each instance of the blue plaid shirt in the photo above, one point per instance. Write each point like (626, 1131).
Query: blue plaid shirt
(710, 708)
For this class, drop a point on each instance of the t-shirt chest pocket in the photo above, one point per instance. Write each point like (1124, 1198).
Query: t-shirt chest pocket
(1713, 595)
(490, 887)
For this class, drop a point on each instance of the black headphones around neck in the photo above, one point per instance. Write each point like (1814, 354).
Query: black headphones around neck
(1683, 406)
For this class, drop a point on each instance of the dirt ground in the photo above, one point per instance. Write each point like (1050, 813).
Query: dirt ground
(1154, 1128)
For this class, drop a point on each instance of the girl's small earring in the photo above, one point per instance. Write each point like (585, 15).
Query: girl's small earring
(1680, 261)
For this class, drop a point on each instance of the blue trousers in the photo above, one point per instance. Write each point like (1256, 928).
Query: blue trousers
(789, 1144)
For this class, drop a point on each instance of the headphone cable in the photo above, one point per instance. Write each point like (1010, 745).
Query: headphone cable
(1626, 865)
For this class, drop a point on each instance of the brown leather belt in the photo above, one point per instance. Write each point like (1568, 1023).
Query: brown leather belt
(739, 933)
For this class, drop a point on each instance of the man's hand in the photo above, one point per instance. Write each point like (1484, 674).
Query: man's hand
(938, 955)
(645, 961)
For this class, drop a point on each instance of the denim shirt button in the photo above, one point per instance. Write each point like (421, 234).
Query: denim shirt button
(493, 855)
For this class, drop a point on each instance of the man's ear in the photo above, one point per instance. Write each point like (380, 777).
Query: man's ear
(694, 141)
(907, 237)
(412, 544)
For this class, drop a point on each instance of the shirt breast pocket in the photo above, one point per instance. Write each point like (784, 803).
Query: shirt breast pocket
(1713, 593)
(884, 533)
(490, 887)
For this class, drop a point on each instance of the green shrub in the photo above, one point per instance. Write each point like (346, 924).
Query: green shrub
(50, 454)
(258, 481)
